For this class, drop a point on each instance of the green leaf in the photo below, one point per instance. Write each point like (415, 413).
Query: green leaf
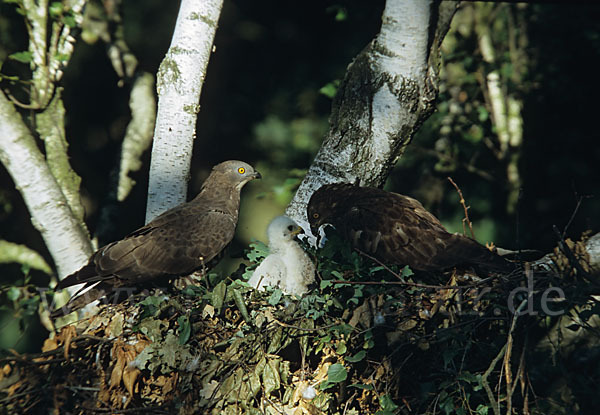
(387, 404)
(257, 251)
(70, 21)
(483, 113)
(357, 357)
(241, 305)
(326, 283)
(275, 297)
(406, 271)
(336, 373)
(185, 329)
(62, 57)
(55, 9)
(482, 410)
(467, 377)
(151, 305)
(218, 296)
(13, 293)
(361, 386)
(23, 57)
(341, 15)
(330, 89)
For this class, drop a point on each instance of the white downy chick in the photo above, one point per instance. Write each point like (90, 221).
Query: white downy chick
(287, 266)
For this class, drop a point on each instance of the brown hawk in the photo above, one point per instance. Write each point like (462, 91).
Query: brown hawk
(396, 229)
(183, 239)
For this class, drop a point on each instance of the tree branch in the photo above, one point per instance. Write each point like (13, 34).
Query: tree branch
(66, 240)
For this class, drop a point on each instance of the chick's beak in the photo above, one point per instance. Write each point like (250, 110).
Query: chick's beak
(297, 231)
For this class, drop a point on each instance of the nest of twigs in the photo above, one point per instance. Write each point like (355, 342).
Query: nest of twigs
(368, 339)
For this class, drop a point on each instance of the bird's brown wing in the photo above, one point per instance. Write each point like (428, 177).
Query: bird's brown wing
(398, 229)
(173, 244)
(394, 228)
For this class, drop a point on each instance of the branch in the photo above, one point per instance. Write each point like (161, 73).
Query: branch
(139, 131)
(66, 240)
(179, 83)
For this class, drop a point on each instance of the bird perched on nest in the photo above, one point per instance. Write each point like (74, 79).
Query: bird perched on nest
(183, 239)
(287, 266)
(396, 229)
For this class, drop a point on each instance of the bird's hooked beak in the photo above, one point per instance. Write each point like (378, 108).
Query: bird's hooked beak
(297, 231)
(256, 175)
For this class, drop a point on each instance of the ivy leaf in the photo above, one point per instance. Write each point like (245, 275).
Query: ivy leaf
(258, 250)
(150, 305)
(387, 405)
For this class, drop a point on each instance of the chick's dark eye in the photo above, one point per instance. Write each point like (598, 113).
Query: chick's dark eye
(290, 228)
(316, 215)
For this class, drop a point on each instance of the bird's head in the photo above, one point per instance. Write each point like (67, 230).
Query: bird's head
(283, 229)
(323, 204)
(235, 172)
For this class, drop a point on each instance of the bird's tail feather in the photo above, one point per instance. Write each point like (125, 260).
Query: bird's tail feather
(80, 301)
(471, 251)
(85, 274)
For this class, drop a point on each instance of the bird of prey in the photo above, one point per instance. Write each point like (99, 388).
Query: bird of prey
(183, 239)
(287, 266)
(396, 229)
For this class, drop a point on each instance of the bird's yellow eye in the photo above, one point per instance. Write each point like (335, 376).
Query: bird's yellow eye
(241, 170)
(316, 215)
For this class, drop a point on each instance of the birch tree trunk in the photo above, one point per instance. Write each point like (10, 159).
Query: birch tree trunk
(65, 238)
(179, 83)
(387, 93)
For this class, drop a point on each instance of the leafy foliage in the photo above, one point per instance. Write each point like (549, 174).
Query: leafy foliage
(366, 339)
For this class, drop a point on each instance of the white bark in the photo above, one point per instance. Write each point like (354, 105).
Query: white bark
(50, 214)
(179, 82)
(387, 93)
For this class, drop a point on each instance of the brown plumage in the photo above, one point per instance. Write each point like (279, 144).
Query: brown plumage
(396, 229)
(183, 239)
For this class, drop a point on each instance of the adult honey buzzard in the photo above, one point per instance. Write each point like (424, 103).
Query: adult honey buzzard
(396, 229)
(181, 240)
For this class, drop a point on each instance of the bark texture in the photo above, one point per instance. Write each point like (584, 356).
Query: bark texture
(387, 93)
(51, 215)
(179, 83)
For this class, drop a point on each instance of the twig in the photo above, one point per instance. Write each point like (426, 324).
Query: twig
(407, 283)
(465, 207)
(510, 387)
(577, 206)
(348, 403)
(290, 326)
(486, 385)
